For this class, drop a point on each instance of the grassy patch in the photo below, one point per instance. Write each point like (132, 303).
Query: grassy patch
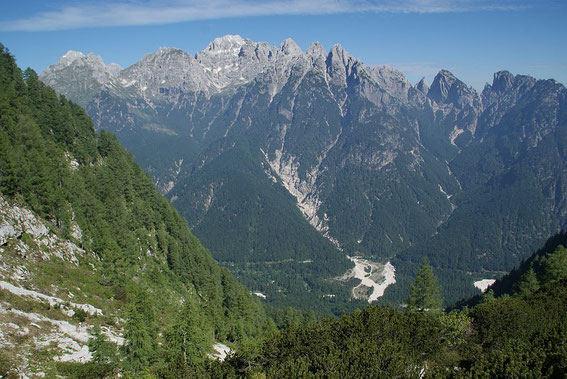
(63, 275)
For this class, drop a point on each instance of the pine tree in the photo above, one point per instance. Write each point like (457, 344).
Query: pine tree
(104, 351)
(190, 337)
(555, 265)
(425, 294)
(488, 296)
(140, 333)
(529, 283)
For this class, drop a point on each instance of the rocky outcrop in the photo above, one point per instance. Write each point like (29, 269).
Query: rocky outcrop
(17, 222)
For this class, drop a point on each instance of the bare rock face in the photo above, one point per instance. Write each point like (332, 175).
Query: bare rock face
(392, 81)
(290, 48)
(15, 221)
(506, 90)
(232, 60)
(339, 65)
(422, 86)
(446, 89)
(227, 62)
(80, 75)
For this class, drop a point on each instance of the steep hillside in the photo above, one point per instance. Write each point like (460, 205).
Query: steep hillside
(382, 168)
(87, 242)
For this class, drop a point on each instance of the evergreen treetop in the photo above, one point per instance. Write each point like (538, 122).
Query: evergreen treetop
(425, 293)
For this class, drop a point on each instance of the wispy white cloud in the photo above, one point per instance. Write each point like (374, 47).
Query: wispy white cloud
(106, 13)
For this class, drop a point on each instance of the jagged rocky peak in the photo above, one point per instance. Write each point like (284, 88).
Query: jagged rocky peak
(114, 69)
(92, 60)
(338, 54)
(340, 57)
(439, 90)
(165, 68)
(502, 81)
(226, 44)
(77, 58)
(261, 51)
(164, 59)
(232, 60)
(162, 55)
(422, 86)
(70, 57)
(447, 89)
(317, 55)
(166, 50)
(506, 89)
(339, 63)
(289, 47)
(391, 80)
(316, 50)
(227, 52)
(63, 74)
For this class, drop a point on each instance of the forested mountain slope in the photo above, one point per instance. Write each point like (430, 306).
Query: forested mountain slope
(87, 242)
(253, 142)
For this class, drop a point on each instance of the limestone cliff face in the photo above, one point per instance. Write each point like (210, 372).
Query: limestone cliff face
(81, 76)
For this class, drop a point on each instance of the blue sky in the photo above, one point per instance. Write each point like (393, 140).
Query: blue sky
(471, 38)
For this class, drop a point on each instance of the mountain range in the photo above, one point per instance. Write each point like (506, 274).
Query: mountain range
(285, 161)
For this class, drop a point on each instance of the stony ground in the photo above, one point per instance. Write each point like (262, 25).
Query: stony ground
(49, 300)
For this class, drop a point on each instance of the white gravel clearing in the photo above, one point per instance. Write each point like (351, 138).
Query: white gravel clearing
(371, 275)
(221, 351)
(484, 284)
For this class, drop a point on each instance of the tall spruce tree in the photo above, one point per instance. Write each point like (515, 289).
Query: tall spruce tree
(425, 293)
(529, 283)
(140, 332)
(190, 337)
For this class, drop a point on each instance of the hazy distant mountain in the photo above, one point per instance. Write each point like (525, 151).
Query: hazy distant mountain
(252, 143)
